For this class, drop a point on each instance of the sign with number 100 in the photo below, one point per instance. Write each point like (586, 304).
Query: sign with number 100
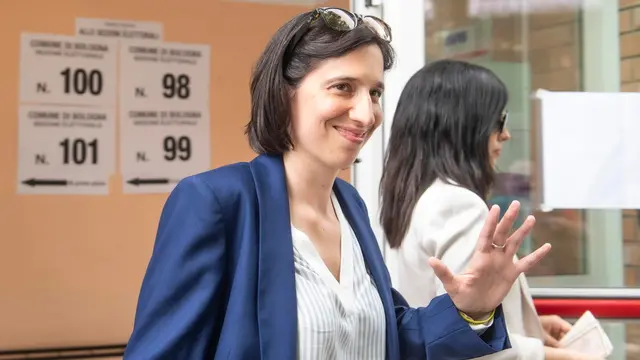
(80, 81)
(64, 70)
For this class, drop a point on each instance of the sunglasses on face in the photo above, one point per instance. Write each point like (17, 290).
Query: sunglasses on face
(502, 124)
(343, 20)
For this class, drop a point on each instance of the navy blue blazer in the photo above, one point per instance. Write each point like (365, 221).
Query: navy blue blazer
(220, 282)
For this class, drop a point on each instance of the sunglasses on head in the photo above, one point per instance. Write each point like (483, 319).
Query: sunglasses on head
(502, 124)
(342, 20)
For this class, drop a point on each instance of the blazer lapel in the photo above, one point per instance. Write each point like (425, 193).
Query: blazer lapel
(360, 224)
(277, 307)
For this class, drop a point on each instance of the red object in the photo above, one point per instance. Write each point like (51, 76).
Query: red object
(601, 308)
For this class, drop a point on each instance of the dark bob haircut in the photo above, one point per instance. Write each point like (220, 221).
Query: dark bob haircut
(279, 70)
(445, 116)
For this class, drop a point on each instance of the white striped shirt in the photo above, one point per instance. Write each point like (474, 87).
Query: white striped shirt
(337, 320)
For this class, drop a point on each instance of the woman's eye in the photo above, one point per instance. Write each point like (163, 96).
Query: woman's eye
(375, 93)
(343, 87)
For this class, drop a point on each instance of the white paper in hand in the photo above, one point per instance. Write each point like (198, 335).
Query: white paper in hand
(587, 336)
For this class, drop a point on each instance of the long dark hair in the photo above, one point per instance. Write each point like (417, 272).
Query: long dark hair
(441, 129)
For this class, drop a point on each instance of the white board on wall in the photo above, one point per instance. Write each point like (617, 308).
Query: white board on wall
(590, 150)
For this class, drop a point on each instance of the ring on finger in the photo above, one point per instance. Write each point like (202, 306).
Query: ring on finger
(496, 246)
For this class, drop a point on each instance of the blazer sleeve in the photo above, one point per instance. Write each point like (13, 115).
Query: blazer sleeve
(182, 287)
(438, 332)
(455, 242)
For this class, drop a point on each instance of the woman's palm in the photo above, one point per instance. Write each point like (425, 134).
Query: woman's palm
(482, 286)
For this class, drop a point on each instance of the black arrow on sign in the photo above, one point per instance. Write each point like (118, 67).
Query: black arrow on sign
(156, 181)
(45, 182)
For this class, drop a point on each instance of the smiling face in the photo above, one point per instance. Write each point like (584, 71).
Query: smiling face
(336, 107)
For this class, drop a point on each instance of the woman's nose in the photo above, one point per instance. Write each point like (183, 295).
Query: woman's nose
(505, 135)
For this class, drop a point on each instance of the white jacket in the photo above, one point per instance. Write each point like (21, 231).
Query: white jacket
(446, 223)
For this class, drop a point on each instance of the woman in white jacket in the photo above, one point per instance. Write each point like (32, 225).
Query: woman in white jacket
(446, 136)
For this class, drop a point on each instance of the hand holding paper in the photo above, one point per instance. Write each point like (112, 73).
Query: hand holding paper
(555, 328)
(587, 337)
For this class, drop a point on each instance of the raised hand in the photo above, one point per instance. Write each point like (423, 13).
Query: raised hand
(482, 286)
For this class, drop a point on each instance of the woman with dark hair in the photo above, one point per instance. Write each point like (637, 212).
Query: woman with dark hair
(275, 259)
(446, 137)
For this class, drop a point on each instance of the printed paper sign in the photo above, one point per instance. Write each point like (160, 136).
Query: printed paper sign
(160, 147)
(164, 75)
(66, 70)
(119, 29)
(65, 149)
(164, 117)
